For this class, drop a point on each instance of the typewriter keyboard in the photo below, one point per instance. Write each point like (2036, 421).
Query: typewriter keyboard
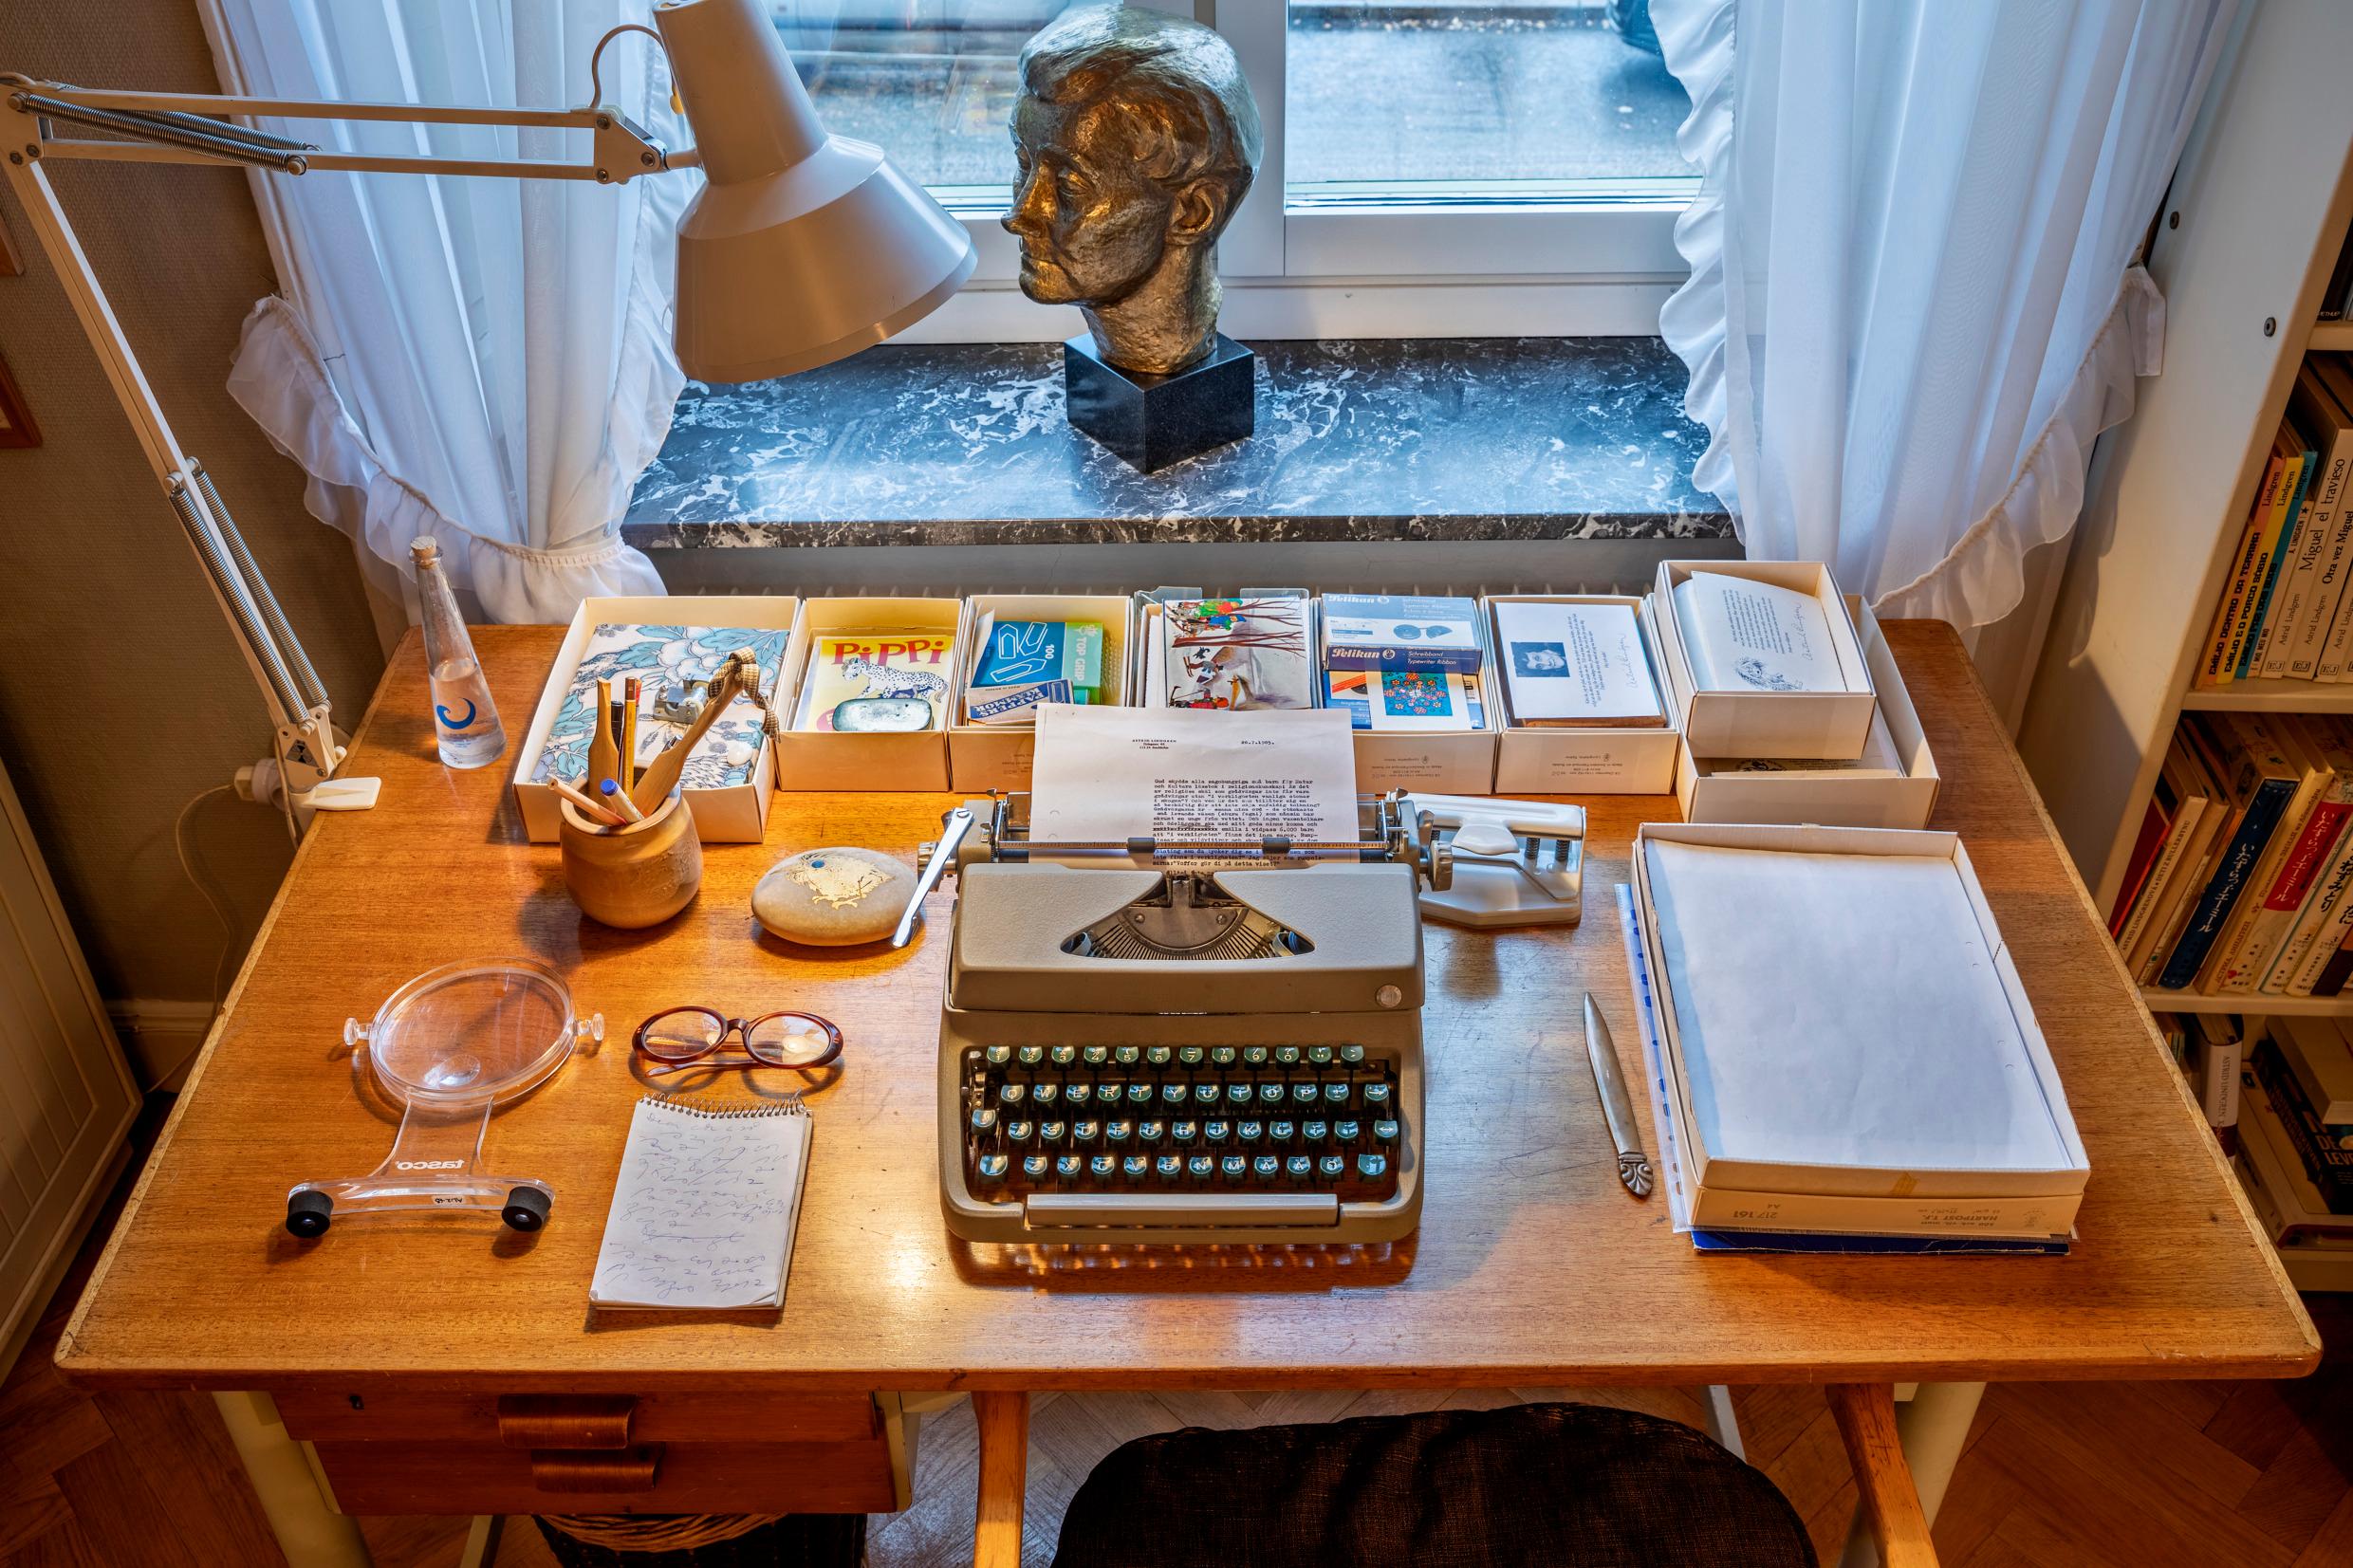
(1181, 1118)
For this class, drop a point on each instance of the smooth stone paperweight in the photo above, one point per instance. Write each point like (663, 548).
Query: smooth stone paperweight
(1155, 421)
(832, 897)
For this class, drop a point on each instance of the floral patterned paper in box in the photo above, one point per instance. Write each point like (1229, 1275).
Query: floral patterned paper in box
(657, 656)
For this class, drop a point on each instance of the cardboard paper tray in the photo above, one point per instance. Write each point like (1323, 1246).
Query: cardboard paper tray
(1851, 1180)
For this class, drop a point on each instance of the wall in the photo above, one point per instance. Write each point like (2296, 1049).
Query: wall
(126, 695)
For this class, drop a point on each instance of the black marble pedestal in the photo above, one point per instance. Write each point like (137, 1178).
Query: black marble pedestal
(1155, 421)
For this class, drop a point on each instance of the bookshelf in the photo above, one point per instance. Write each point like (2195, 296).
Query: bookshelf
(2250, 231)
(2241, 1002)
(2269, 696)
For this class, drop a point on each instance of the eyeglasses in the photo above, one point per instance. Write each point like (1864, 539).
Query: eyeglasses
(688, 1037)
(1413, 633)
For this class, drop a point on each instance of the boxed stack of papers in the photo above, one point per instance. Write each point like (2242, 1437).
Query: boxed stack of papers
(1840, 1046)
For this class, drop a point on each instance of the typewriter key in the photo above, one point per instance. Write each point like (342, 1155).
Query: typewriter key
(1067, 1166)
(1385, 1130)
(1299, 1167)
(1200, 1166)
(1101, 1165)
(1169, 1167)
(1372, 1167)
(985, 1120)
(1097, 1055)
(1065, 1055)
(992, 1167)
(1233, 1166)
(1136, 1166)
(1265, 1167)
(1331, 1167)
(1034, 1167)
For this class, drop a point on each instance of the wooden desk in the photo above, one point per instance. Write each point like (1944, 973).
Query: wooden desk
(1533, 1268)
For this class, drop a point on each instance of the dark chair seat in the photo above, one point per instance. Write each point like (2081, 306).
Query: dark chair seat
(1526, 1487)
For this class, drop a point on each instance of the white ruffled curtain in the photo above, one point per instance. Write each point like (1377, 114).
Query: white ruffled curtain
(1915, 296)
(485, 361)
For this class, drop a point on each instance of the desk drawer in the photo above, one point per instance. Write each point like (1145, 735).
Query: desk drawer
(674, 1478)
(579, 1421)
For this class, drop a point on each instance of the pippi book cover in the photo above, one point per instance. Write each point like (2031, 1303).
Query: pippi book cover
(875, 664)
(1238, 653)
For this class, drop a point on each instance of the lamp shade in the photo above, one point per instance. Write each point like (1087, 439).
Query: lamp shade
(803, 246)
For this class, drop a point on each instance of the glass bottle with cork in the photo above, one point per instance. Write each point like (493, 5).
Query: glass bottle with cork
(465, 720)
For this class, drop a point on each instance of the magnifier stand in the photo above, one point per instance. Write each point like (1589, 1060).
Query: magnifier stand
(435, 1163)
(449, 1048)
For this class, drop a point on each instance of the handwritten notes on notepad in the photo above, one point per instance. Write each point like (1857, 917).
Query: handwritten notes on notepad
(704, 1211)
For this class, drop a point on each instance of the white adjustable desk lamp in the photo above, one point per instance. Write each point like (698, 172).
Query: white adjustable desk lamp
(803, 247)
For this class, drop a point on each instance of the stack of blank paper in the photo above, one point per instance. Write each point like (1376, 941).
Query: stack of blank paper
(1846, 1048)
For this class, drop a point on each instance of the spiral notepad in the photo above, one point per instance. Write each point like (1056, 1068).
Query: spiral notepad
(705, 1206)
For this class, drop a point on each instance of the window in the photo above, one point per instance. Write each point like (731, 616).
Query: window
(1476, 166)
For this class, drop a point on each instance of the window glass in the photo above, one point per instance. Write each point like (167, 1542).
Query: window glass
(1498, 100)
(932, 81)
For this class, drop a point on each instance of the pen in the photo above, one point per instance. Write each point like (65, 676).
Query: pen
(618, 798)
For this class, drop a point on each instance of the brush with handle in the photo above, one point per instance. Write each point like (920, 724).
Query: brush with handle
(738, 675)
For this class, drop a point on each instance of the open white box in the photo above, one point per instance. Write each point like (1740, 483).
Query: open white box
(997, 756)
(1858, 1199)
(1442, 762)
(1831, 797)
(1445, 762)
(1581, 760)
(738, 815)
(1833, 726)
(808, 759)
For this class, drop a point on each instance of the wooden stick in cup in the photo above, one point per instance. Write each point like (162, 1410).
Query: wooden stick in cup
(603, 750)
(740, 673)
(602, 815)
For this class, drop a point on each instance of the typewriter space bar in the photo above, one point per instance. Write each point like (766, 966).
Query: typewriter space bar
(1184, 1211)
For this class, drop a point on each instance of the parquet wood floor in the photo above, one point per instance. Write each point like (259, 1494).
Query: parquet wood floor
(2072, 1475)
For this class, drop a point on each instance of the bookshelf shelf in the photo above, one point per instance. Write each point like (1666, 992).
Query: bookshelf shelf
(2259, 1006)
(2317, 1267)
(2331, 334)
(2276, 695)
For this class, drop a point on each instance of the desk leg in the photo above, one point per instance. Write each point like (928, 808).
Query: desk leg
(1004, 1421)
(1933, 1427)
(309, 1531)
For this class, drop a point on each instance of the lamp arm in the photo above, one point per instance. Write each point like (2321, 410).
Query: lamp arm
(308, 751)
(166, 128)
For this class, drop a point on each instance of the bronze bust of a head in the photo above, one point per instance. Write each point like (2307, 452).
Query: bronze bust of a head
(1136, 138)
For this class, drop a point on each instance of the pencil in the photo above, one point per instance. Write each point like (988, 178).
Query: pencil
(631, 693)
(618, 798)
(599, 814)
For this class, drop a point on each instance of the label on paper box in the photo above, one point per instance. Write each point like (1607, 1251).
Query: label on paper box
(1400, 632)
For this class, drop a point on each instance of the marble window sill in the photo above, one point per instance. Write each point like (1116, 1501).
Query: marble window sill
(1524, 438)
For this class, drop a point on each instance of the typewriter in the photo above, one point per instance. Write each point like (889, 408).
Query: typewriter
(1139, 1047)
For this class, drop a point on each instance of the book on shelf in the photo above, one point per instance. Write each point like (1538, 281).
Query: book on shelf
(2327, 399)
(2155, 823)
(2216, 1053)
(2316, 1051)
(2226, 638)
(2263, 782)
(2296, 459)
(2303, 846)
(2324, 547)
(2282, 1193)
(2329, 1167)
(2199, 816)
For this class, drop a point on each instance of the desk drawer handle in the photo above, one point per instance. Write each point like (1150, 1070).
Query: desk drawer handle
(630, 1470)
(565, 1421)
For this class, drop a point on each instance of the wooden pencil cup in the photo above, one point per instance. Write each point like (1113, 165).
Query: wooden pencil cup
(637, 875)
